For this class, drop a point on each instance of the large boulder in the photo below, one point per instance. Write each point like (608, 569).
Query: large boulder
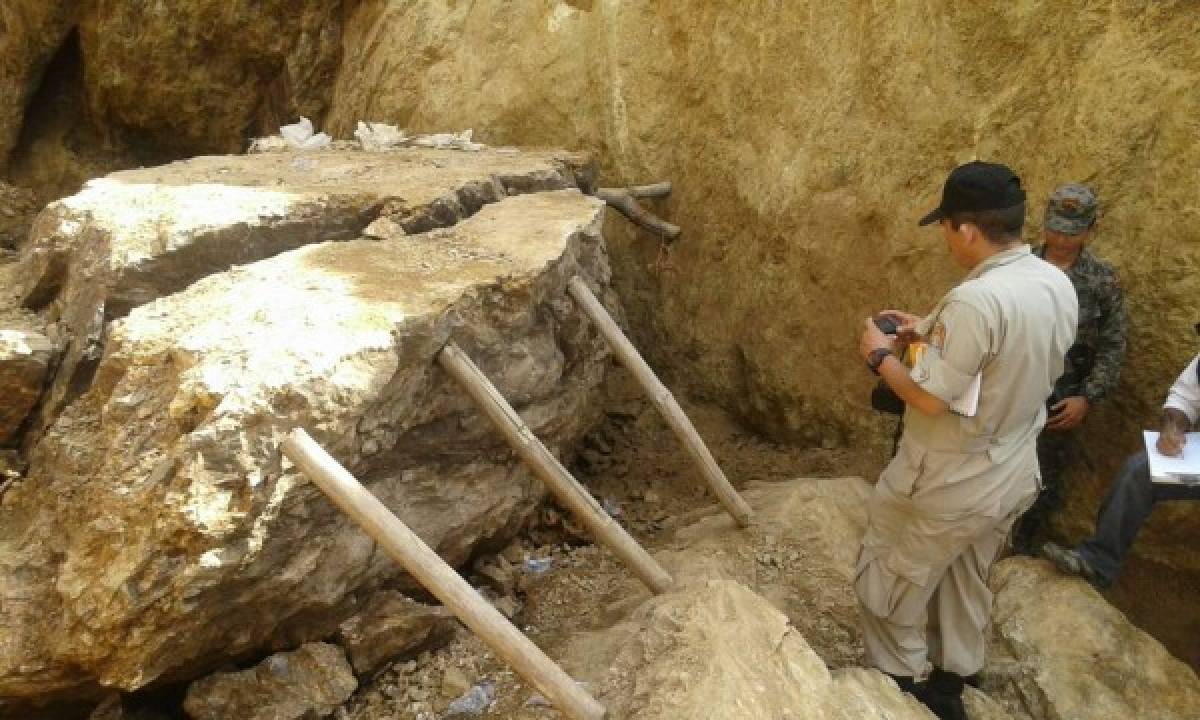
(158, 534)
(142, 234)
(799, 554)
(1060, 652)
(719, 650)
(26, 355)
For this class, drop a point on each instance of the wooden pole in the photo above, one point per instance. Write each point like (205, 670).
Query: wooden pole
(565, 488)
(663, 400)
(407, 548)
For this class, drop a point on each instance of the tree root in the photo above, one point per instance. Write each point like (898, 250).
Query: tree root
(625, 200)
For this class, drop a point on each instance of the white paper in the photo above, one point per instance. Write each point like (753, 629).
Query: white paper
(1184, 469)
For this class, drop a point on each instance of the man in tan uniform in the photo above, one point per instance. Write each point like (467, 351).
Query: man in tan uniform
(945, 504)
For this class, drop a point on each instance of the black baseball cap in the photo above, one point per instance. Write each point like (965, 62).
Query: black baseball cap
(977, 186)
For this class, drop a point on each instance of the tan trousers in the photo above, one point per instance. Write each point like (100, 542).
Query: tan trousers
(936, 524)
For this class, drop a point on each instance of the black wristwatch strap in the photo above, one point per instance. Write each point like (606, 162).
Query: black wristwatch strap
(875, 359)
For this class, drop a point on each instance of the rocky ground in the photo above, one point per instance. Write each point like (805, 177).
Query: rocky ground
(1058, 649)
(634, 463)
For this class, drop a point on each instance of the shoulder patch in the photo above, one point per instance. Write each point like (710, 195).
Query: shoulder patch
(937, 336)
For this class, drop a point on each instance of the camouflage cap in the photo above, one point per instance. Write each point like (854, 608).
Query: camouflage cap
(1072, 209)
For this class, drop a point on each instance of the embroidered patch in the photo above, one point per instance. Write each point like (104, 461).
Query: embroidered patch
(937, 336)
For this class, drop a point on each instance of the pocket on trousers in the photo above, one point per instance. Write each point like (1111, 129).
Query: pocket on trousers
(889, 587)
(904, 470)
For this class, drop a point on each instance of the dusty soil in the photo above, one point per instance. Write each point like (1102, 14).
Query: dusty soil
(635, 465)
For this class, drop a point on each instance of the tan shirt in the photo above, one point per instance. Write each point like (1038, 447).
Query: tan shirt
(1013, 320)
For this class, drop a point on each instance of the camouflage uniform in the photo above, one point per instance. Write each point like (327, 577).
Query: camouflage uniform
(1093, 364)
(1094, 361)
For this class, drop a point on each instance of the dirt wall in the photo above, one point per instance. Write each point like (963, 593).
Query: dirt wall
(804, 138)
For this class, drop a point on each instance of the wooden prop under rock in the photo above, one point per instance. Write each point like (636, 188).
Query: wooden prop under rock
(407, 548)
(663, 400)
(566, 489)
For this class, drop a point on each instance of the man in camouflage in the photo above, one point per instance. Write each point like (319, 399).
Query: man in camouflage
(1093, 364)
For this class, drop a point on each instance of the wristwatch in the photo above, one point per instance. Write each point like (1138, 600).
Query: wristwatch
(875, 358)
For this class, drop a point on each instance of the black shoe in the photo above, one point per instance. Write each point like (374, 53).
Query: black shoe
(942, 694)
(905, 683)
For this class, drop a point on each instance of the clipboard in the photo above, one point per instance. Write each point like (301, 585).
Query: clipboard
(1181, 470)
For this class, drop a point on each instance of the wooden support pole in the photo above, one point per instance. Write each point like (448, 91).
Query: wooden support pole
(663, 400)
(407, 548)
(574, 497)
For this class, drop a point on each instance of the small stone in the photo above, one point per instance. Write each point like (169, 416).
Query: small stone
(391, 625)
(454, 683)
(514, 553)
(384, 228)
(507, 606)
(418, 693)
(500, 574)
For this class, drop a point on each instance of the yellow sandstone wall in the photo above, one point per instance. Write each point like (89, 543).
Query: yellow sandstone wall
(804, 138)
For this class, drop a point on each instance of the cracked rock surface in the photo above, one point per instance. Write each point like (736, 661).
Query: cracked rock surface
(138, 235)
(156, 534)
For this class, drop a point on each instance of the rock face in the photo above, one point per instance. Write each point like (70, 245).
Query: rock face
(24, 363)
(210, 91)
(157, 533)
(308, 683)
(1062, 652)
(206, 93)
(30, 33)
(17, 209)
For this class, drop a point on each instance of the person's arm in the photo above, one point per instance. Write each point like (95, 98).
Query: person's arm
(946, 372)
(895, 374)
(1069, 412)
(1172, 433)
(1180, 411)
